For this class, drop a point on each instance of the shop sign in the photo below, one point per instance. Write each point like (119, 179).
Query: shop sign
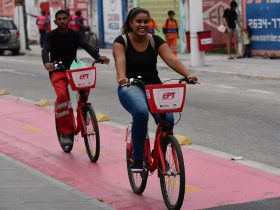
(264, 19)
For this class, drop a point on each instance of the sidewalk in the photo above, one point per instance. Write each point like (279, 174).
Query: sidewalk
(214, 63)
(23, 188)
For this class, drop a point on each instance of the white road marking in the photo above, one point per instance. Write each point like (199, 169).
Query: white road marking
(250, 90)
(7, 70)
(20, 61)
(260, 91)
(225, 86)
(17, 72)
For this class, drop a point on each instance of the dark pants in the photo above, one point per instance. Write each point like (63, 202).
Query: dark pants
(42, 36)
(247, 52)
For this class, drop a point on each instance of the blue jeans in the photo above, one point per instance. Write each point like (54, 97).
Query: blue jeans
(133, 99)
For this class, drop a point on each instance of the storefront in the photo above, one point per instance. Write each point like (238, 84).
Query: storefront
(264, 19)
(212, 17)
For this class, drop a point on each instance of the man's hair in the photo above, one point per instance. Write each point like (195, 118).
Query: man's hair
(62, 11)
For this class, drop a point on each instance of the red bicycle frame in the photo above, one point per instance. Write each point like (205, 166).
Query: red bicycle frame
(157, 151)
(80, 125)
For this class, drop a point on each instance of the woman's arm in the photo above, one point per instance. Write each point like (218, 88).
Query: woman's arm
(120, 62)
(173, 62)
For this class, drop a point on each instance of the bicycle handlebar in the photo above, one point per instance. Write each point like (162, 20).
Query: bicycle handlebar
(97, 61)
(59, 66)
(133, 81)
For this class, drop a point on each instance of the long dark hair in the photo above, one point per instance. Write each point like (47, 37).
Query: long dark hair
(130, 16)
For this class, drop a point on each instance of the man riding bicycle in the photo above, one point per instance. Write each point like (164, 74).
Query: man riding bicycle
(61, 44)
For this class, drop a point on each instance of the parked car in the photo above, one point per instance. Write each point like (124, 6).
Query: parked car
(9, 36)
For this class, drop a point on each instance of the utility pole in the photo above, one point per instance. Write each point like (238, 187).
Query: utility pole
(196, 24)
(21, 3)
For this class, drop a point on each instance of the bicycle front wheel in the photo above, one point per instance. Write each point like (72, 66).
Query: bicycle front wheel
(91, 134)
(173, 182)
(138, 181)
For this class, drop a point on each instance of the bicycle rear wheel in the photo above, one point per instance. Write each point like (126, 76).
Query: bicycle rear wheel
(173, 183)
(91, 134)
(138, 181)
(93, 40)
(66, 149)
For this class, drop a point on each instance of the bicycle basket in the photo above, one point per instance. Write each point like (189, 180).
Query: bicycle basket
(165, 98)
(81, 79)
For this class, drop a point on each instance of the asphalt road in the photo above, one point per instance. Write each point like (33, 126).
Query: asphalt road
(227, 113)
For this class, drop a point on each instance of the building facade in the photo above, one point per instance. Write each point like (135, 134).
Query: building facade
(105, 17)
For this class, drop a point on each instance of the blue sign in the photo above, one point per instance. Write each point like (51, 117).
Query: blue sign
(263, 16)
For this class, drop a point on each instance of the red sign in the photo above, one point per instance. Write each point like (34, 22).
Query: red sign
(168, 96)
(7, 8)
(213, 13)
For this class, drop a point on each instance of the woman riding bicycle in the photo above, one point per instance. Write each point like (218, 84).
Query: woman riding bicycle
(136, 56)
(61, 44)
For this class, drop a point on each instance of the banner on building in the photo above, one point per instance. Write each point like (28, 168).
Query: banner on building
(112, 19)
(264, 18)
(213, 11)
(7, 8)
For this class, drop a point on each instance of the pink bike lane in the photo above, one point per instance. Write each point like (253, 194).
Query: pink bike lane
(28, 135)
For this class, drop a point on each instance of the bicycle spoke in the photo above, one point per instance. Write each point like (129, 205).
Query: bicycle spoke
(137, 181)
(91, 137)
(173, 182)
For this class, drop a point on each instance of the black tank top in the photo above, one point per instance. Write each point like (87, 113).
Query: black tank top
(144, 63)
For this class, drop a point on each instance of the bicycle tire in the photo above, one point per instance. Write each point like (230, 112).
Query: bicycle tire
(91, 135)
(169, 183)
(138, 181)
(93, 40)
(66, 149)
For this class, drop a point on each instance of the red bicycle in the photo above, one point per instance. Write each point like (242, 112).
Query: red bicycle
(86, 121)
(166, 156)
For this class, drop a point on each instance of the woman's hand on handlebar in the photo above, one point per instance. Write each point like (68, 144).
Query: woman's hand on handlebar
(191, 79)
(123, 81)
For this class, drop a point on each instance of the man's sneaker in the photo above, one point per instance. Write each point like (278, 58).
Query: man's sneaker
(66, 140)
(137, 166)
